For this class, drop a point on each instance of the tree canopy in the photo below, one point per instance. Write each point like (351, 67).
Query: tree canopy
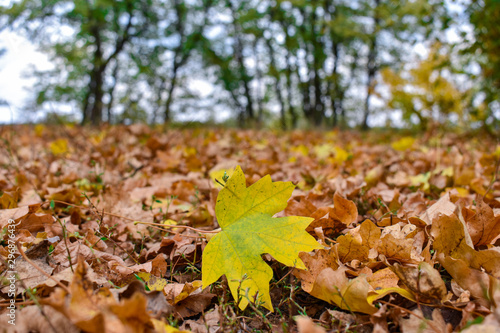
(290, 63)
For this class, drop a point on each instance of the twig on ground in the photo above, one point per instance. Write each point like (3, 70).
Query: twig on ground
(164, 226)
(19, 248)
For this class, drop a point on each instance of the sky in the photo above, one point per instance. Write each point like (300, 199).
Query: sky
(14, 87)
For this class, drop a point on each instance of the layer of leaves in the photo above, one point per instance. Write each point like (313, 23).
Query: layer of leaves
(408, 228)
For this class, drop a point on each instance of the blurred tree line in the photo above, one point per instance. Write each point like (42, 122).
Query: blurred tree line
(330, 63)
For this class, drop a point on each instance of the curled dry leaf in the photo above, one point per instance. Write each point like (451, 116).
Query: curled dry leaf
(209, 323)
(451, 239)
(423, 280)
(344, 210)
(187, 299)
(27, 275)
(28, 217)
(359, 243)
(484, 226)
(473, 280)
(99, 311)
(326, 280)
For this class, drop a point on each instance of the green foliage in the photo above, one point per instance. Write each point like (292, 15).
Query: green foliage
(484, 18)
(425, 90)
(283, 63)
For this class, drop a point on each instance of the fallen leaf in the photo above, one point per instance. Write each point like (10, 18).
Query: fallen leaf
(153, 283)
(404, 143)
(161, 327)
(209, 323)
(383, 278)
(59, 147)
(31, 319)
(333, 286)
(29, 276)
(443, 206)
(484, 226)
(470, 279)
(248, 230)
(307, 325)
(416, 324)
(358, 242)
(423, 280)
(344, 210)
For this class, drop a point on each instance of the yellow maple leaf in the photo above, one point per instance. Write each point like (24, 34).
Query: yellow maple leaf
(59, 147)
(154, 283)
(39, 128)
(403, 143)
(248, 230)
(341, 155)
(162, 327)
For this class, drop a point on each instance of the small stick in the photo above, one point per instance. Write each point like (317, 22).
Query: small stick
(413, 313)
(41, 270)
(165, 226)
(168, 226)
(2, 304)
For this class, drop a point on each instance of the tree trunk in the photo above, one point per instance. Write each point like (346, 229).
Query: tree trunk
(370, 83)
(291, 108)
(238, 56)
(92, 110)
(318, 62)
(168, 103)
(319, 107)
(159, 100)
(289, 70)
(371, 66)
(337, 96)
(111, 91)
(85, 107)
(277, 85)
(98, 93)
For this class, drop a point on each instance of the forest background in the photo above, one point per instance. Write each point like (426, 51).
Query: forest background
(285, 64)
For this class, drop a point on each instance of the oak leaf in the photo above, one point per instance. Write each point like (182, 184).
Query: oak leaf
(248, 230)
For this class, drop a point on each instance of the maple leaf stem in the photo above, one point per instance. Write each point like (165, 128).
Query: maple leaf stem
(165, 226)
(220, 183)
(176, 233)
(3, 303)
(168, 226)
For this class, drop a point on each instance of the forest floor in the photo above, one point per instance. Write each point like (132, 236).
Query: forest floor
(104, 229)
